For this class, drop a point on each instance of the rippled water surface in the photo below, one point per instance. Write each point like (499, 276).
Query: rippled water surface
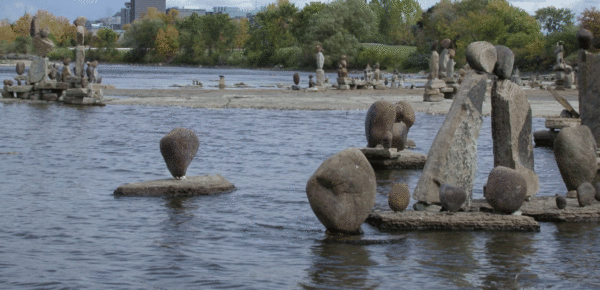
(61, 226)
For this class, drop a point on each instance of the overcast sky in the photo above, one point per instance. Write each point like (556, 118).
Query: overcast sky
(95, 9)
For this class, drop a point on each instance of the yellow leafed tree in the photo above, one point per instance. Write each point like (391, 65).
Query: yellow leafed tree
(242, 34)
(7, 34)
(167, 41)
(22, 25)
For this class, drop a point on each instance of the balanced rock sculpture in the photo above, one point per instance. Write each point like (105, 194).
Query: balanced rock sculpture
(481, 56)
(379, 124)
(405, 118)
(452, 198)
(342, 191)
(505, 190)
(405, 113)
(179, 148)
(575, 154)
(399, 197)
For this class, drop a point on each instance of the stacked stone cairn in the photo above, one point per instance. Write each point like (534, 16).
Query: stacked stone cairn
(342, 191)
(447, 64)
(452, 160)
(343, 80)
(564, 75)
(296, 79)
(387, 125)
(320, 72)
(434, 84)
(46, 82)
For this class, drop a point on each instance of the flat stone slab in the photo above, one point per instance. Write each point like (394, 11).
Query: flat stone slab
(459, 221)
(19, 89)
(381, 158)
(543, 209)
(52, 86)
(564, 102)
(191, 186)
(559, 122)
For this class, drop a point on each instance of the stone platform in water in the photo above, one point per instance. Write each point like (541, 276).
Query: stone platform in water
(391, 159)
(459, 221)
(543, 209)
(191, 186)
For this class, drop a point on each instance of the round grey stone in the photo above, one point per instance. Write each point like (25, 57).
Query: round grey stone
(452, 198)
(481, 56)
(405, 113)
(296, 78)
(399, 197)
(505, 190)
(20, 68)
(504, 63)
(342, 191)
(399, 136)
(585, 194)
(561, 202)
(179, 148)
(584, 38)
(575, 154)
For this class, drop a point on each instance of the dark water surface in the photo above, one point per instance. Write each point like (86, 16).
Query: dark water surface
(61, 227)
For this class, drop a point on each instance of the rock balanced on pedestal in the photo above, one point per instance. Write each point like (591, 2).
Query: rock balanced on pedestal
(179, 148)
(399, 197)
(379, 124)
(505, 190)
(575, 154)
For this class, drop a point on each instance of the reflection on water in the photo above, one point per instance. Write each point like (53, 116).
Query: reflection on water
(340, 266)
(61, 227)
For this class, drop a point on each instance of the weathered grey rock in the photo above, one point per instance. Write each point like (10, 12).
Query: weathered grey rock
(452, 198)
(584, 38)
(379, 123)
(399, 136)
(38, 70)
(452, 158)
(179, 148)
(191, 186)
(481, 56)
(399, 197)
(589, 86)
(597, 188)
(42, 45)
(444, 58)
(585, 194)
(504, 62)
(511, 132)
(66, 73)
(342, 191)
(20, 68)
(405, 113)
(49, 97)
(561, 202)
(296, 78)
(575, 154)
(80, 61)
(434, 65)
(80, 31)
(505, 190)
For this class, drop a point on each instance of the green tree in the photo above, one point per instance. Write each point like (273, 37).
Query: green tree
(141, 37)
(218, 32)
(396, 17)
(554, 19)
(590, 20)
(190, 37)
(107, 39)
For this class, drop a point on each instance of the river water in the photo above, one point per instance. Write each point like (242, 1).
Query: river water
(164, 77)
(61, 227)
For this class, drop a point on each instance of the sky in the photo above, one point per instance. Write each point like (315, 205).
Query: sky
(95, 9)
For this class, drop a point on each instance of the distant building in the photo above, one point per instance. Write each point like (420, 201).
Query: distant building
(126, 14)
(139, 7)
(187, 12)
(233, 12)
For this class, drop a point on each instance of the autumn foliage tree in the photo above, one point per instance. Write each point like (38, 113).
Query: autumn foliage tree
(590, 20)
(167, 42)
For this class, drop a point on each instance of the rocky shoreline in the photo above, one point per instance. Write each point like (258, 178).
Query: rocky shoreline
(542, 102)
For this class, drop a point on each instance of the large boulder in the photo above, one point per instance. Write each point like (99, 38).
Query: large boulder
(452, 158)
(379, 124)
(575, 154)
(588, 86)
(504, 62)
(405, 113)
(451, 197)
(342, 191)
(481, 56)
(511, 131)
(179, 148)
(505, 190)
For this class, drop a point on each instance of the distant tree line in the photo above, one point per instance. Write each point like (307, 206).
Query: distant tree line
(284, 35)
